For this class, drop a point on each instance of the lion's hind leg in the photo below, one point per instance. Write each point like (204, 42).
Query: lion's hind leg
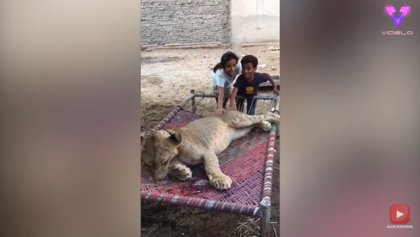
(245, 120)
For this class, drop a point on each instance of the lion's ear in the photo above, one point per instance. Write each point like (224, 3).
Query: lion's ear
(176, 138)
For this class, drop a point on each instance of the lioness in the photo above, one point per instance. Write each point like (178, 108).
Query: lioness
(171, 150)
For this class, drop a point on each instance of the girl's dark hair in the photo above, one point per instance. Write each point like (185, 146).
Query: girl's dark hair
(226, 57)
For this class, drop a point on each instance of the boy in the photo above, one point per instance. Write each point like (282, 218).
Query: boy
(247, 85)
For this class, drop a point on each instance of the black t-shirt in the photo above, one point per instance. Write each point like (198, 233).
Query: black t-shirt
(249, 89)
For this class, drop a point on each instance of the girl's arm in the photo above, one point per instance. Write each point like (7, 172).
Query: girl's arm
(232, 99)
(220, 97)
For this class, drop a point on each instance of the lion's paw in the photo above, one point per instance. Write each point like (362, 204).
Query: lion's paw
(221, 182)
(181, 172)
(265, 125)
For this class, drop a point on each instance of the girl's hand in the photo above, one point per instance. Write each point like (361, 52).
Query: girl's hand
(219, 112)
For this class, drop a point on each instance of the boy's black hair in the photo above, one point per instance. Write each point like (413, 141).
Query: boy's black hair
(226, 57)
(249, 59)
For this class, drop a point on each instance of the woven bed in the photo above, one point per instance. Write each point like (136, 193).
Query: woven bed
(248, 161)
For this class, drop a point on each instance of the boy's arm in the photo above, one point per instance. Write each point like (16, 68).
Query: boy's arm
(272, 82)
(232, 99)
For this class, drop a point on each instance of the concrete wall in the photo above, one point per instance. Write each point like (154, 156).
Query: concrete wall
(184, 21)
(255, 21)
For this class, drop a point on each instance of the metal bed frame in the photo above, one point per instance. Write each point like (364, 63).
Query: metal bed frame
(263, 211)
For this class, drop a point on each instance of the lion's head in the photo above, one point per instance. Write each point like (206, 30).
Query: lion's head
(159, 149)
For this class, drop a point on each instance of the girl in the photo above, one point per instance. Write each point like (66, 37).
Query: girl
(224, 73)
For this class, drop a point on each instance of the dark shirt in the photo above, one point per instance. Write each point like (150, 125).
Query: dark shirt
(249, 89)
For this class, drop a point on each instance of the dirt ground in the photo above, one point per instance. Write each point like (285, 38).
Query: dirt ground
(167, 76)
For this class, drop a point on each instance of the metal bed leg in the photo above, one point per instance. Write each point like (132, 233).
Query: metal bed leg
(266, 215)
(276, 110)
(194, 107)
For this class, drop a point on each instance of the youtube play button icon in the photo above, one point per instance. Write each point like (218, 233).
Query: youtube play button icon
(399, 214)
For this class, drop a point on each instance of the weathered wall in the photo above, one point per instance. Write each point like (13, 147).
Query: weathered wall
(184, 21)
(255, 21)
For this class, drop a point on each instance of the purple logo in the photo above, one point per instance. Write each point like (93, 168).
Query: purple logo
(397, 17)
